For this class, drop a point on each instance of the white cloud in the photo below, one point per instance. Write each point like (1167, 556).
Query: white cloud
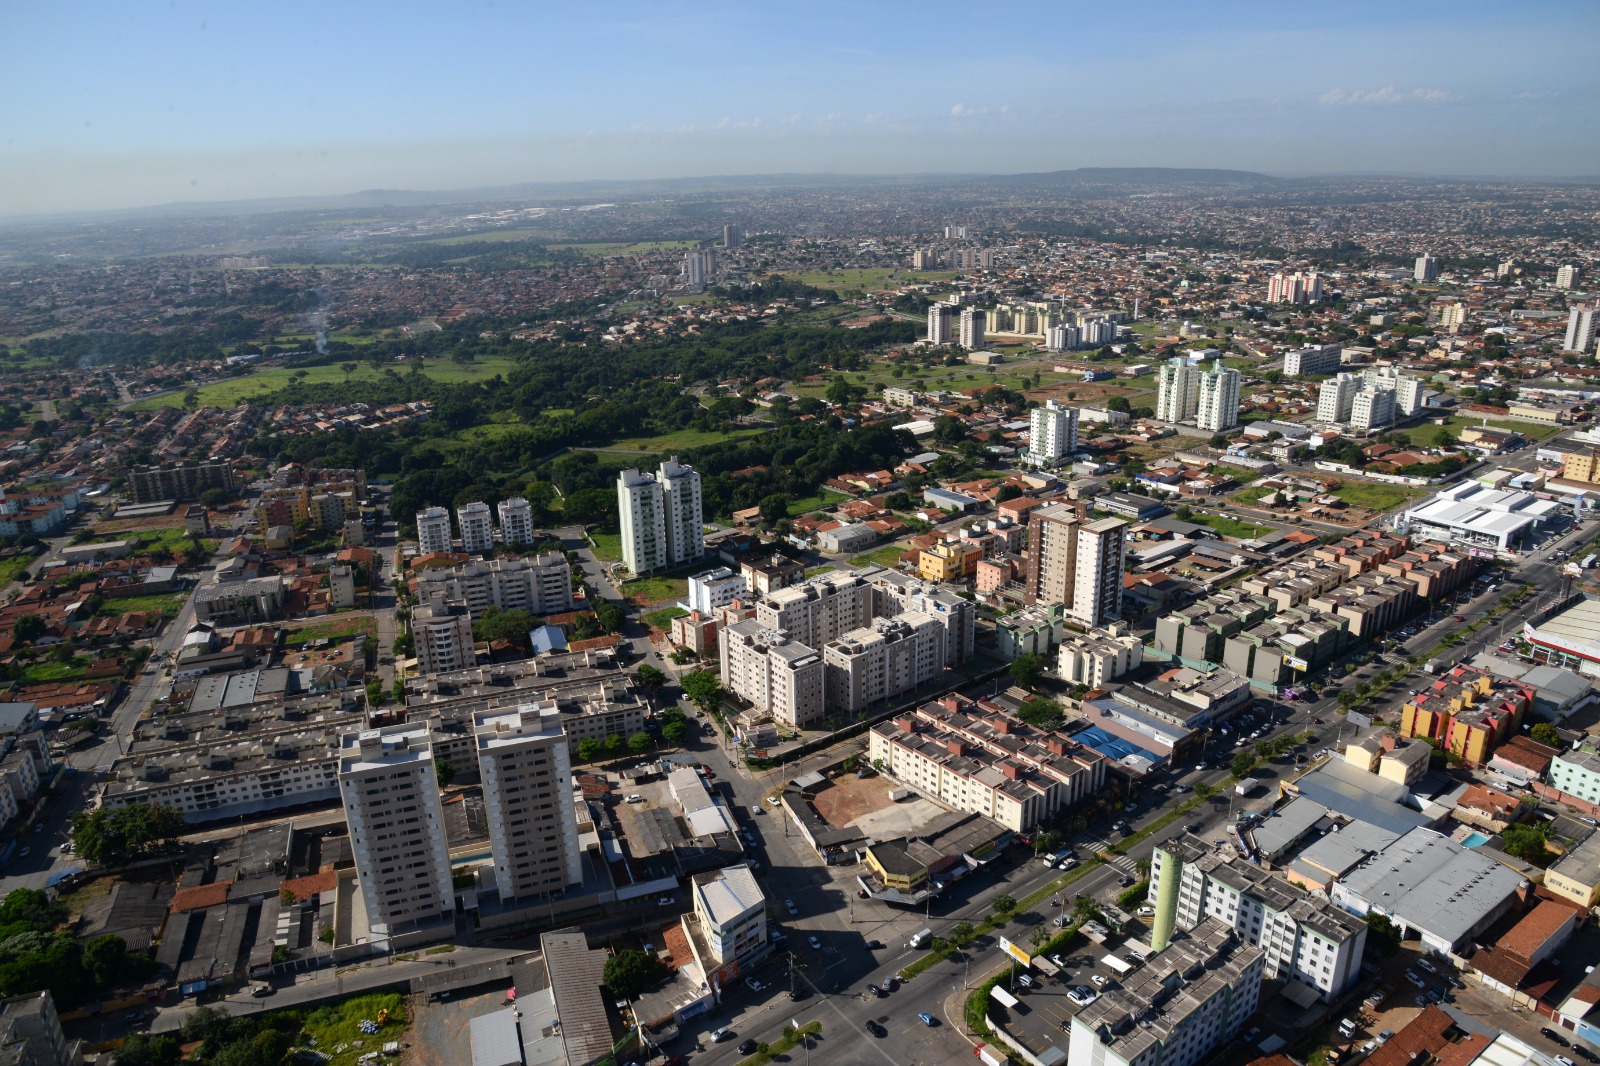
(965, 111)
(1384, 96)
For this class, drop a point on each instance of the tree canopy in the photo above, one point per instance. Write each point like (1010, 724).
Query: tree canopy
(631, 972)
(115, 836)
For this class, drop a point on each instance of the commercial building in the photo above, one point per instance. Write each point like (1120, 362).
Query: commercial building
(888, 658)
(1321, 359)
(1429, 885)
(731, 912)
(1053, 433)
(1176, 1008)
(527, 797)
(233, 603)
(1217, 399)
(433, 530)
(972, 323)
(181, 481)
(442, 633)
(1467, 712)
(986, 761)
(1575, 876)
(1177, 390)
(1482, 519)
(477, 527)
(391, 805)
(662, 520)
(540, 584)
(516, 522)
(1305, 939)
(776, 675)
(1568, 637)
(715, 588)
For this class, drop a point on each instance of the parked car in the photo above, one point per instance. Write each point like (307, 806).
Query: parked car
(927, 1019)
(888, 983)
(876, 1030)
(634, 798)
(1024, 980)
(1550, 1034)
(719, 1035)
(1250, 1035)
(794, 912)
(1099, 981)
(1424, 964)
(816, 945)
(1415, 978)
(752, 984)
(877, 993)
(747, 1047)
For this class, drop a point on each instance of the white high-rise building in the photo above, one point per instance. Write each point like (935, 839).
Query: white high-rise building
(1062, 338)
(1097, 584)
(1580, 328)
(1296, 288)
(940, 316)
(1054, 434)
(542, 585)
(1372, 408)
(1452, 316)
(1409, 394)
(1426, 268)
(1322, 359)
(477, 527)
(684, 512)
(1177, 390)
(699, 266)
(822, 609)
(433, 530)
(662, 519)
(390, 792)
(889, 658)
(442, 633)
(516, 521)
(527, 800)
(972, 322)
(1217, 403)
(1336, 396)
(1567, 276)
(777, 675)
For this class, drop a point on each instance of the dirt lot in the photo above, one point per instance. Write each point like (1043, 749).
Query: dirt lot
(850, 798)
(440, 1035)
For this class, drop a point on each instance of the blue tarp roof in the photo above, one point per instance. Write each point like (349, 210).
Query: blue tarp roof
(1113, 747)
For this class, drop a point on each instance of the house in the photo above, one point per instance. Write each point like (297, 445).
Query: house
(1488, 808)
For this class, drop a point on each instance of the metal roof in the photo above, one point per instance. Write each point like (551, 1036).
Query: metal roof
(495, 1041)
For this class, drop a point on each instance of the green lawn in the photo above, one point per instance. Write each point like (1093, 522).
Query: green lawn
(655, 589)
(607, 546)
(13, 565)
(332, 629)
(682, 440)
(1228, 527)
(825, 498)
(41, 673)
(336, 1026)
(1534, 431)
(168, 605)
(818, 570)
(1378, 497)
(888, 556)
(1251, 495)
(662, 619)
(234, 391)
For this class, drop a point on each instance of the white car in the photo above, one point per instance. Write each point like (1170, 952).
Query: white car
(635, 798)
(794, 912)
(1059, 961)
(816, 945)
(1099, 982)
(1424, 964)
(1147, 912)
(665, 901)
(752, 984)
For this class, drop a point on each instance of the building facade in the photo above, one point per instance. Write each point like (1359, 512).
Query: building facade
(661, 517)
(1177, 390)
(1054, 433)
(972, 326)
(889, 658)
(442, 634)
(477, 527)
(181, 481)
(540, 584)
(1217, 399)
(516, 521)
(433, 531)
(777, 675)
(527, 799)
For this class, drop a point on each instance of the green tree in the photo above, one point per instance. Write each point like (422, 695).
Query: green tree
(374, 691)
(32, 907)
(116, 836)
(512, 624)
(614, 744)
(1026, 669)
(1382, 935)
(443, 771)
(611, 617)
(1545, 733)
(650, 678)
(675, 732)
(589, 749)
(639, 743)
(1041, 711)
(703, 688)
(1243, 763)
(28, 628)
(1527, 842)
(631, 972)
(141, 1049)
(774, 507)
(1004, 904)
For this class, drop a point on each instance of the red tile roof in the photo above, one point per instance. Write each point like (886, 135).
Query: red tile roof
(200, 896)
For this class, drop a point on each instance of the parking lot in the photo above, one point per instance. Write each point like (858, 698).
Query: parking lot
(1043, 1016)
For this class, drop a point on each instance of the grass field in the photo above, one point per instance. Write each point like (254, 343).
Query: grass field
(1378, 497)
(335, 1029)
(332, 629)
(1250, 495)
(234, 391)
(682, 440)
(662, 619)
(167, 605)
(42, 673)
(12, 566)
(866, 280)
(825, 498)
(607, 546)
(648, 590)
(1456, 423)
(1229, 527)
(888, 555)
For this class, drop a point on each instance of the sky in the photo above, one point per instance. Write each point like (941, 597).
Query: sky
(117, 104)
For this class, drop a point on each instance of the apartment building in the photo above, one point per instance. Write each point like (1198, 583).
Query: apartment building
(1296, 288)
(715, 588)
(181, 481)
(1094, 659)
(1303, 938)
(1077, 563)
(949, 561)
(391, 803)
(541, 584)
(819, 610)
(1217, 399)
(1053, 433)
(1372, 408)
(662, 517)
(1577, 773)
(1175, 1009)
(888, 658)
(777, 675)
(433, 531)
(442, 633)
(527, 798)
(516, 522)
(341, 586)
(940, 319)
(971, 329)
(895, 593)
(1177, 390)
(986, 762)
(1580, 336)
(326, 511)
(1321, 359)
(1426, 269)
(1468, 712)
(477, 527)
(762, 577)
(1567, 275)
(1336, 397)
(731, 912)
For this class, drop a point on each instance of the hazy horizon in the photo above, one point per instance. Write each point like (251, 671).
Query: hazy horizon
(129, 107)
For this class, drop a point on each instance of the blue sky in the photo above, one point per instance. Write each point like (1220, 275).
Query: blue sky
(125, 104)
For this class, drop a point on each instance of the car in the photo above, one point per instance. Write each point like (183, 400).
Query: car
(777, 936)
(719, 1035)
(1147, 911)
(38, 828)
(874, 945)
(1124, 880)
(1058, 961)
(1435, 996)
(1550, 1034)
(1077, 998)
(1184, 787)
(1135, 956)
(816, 945)
(752, 984)
(1424, 964)
(876, 1030)
(1460, 618)
(877, 993)
(1415, 978)
(1059, 923)
(1562, 1060)
(927, 1019)
(1584, 1053)
(1024, 980)
(1099, 981)
(773, 801)
(634, 798)
(755, 810)
(794, 912)
(888, 983)
(1130, 806)
(747, 1047)
(1067, 863)
(1420, 1000)
(261, 990)
(665, 901)
(23, 854)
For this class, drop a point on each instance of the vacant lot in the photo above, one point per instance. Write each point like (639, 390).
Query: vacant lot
(888, 555)
(1229, 527)
(234, 391)
(682, 440)
(645, 591)
(851, 797)
(333, 629)
(1456, 423)
(1374, 496)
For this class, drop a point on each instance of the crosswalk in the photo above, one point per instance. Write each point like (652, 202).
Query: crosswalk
(1103, 849)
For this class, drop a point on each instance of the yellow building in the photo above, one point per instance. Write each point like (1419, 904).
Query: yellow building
(1576, 875)
(949, 561)
(1467, 712)
(1582, 466)
(893, 863)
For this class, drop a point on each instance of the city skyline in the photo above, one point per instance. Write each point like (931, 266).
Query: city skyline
(196, 104)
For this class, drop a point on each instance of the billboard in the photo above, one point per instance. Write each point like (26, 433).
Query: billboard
(1015, 952)
(1295, 663)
